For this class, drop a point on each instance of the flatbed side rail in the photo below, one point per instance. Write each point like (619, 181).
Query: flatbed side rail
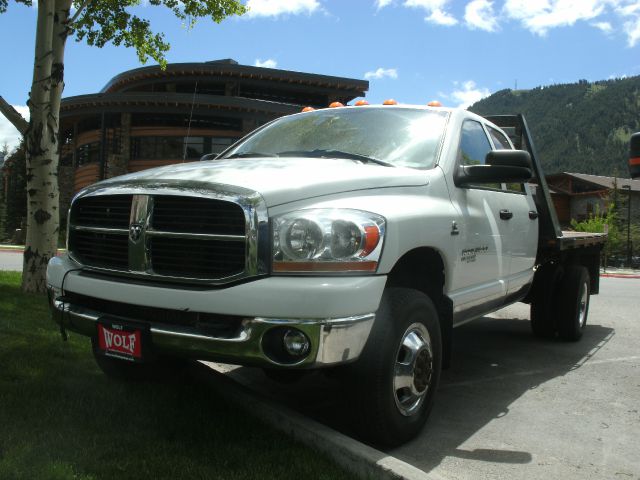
(571, 240)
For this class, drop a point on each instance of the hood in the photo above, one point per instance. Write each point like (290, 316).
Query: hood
(284, 180)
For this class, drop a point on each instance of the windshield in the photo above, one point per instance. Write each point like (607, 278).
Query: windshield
(386, 135)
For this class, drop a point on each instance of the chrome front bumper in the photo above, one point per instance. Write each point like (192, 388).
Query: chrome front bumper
(333, 341)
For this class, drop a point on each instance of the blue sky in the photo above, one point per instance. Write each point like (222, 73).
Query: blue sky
(411, 50)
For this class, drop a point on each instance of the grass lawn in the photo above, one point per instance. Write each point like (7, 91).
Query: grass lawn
(61, 418)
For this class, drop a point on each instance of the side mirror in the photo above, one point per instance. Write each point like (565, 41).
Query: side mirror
(501, 166)
(509, 158)
(634, 155)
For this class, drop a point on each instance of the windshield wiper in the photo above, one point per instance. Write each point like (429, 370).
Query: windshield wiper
(251, 154)
(334, 154)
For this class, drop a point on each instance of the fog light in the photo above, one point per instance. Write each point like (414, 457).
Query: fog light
(295, 343)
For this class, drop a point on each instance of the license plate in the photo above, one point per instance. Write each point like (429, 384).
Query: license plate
(120, 340)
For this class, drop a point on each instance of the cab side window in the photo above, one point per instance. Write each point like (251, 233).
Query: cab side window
(501, 143)
(474, 146)
(499, 140)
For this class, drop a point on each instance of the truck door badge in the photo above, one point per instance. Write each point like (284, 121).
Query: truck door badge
(469, 254)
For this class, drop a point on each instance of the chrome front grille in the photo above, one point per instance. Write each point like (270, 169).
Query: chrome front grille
(107, 250)
(197, 215)
(111, 211)
(169, 236)
(196, 258)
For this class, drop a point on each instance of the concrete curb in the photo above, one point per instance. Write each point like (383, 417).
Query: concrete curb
(619, 275)
(9, 248)
(20, 249)
(354, 456)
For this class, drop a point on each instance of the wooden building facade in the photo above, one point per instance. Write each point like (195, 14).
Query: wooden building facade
(149, 117)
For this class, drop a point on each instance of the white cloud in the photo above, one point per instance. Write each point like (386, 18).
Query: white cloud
(269, 63)
(539, 16)
(8, 133)
(631, 26)
(440, 17)
(604, 27)
(632, 29)
(435, 10)
(382, 73)
(383, 3)
(468, 94)
(479, 14)
(275, 8)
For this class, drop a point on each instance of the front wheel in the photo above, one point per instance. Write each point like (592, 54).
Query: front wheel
(395, 379)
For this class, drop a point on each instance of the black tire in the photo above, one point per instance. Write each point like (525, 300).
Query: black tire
(387, 413)
(159, 369)
(572, 302)
(543, 309)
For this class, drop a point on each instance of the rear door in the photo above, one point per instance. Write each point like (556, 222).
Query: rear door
(521, 229)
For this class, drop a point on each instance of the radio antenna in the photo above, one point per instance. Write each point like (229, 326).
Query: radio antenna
(186, 140)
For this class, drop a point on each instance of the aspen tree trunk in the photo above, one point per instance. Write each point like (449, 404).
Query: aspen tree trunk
(42, 144)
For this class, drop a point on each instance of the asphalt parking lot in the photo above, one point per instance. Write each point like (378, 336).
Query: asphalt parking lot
(515, 407)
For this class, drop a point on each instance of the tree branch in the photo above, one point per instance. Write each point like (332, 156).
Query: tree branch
(13, 116)
(79, 10)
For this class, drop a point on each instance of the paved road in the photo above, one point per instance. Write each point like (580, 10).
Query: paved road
(10, 260)
(515, 407)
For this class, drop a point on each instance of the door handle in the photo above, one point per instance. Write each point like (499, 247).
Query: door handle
(533, 214)
(506, 214)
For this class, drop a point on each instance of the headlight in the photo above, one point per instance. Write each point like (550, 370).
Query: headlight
(327, 240)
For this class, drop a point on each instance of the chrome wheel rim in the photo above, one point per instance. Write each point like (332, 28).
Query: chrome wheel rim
(582, 306)
(413, 369)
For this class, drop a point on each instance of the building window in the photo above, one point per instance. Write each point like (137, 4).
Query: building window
(176, 148)
(88, 153)
(184, 121)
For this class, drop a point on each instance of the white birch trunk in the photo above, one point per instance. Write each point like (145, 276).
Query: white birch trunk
(42, 159)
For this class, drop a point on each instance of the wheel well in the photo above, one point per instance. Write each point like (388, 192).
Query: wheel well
(423, 269)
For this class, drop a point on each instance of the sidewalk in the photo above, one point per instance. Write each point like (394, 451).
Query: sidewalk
(11, 248)
(20, 248)
(619, 272)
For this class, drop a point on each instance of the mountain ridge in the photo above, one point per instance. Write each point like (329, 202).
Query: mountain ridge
(581, 127)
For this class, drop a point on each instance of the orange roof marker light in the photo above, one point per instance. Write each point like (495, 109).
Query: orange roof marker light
(336, 105)
(361, 103)
(308, 109)
(434, 103)
(390, 101)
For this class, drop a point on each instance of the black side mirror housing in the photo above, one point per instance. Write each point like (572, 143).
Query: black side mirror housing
(501, 166)
(634, 155)
(509, 158)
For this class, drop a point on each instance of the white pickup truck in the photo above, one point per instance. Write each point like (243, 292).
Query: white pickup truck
(352, 237)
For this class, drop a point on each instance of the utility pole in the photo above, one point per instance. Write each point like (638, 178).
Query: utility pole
(628, 189)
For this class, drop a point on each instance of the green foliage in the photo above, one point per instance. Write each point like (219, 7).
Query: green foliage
(13, 202)
(105, 21)
(581, 127)
(600, 223)
(99, 22)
